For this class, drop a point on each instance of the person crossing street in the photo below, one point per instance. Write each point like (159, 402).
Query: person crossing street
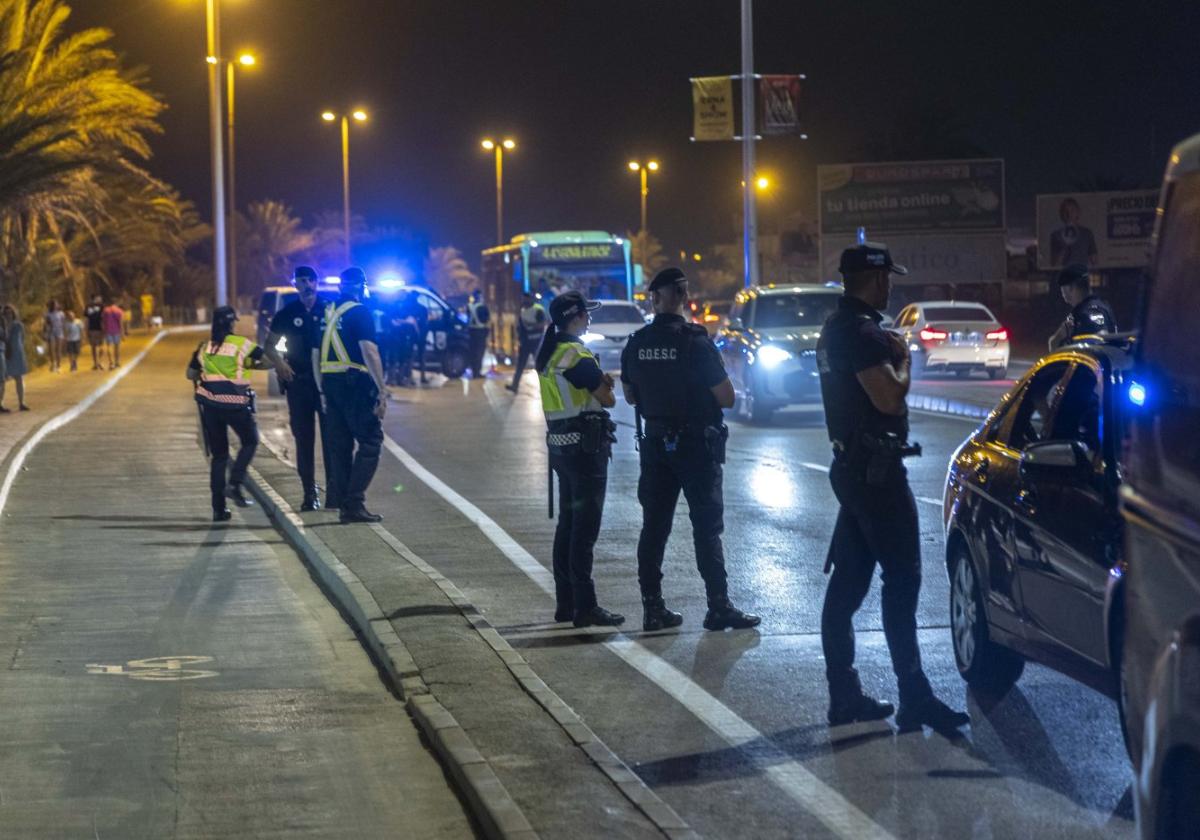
(349, 374)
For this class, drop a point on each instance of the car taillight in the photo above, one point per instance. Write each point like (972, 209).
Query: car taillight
(998, 335)
(928, 334)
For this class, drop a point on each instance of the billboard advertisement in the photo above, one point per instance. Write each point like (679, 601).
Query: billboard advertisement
(913, 197)
(1096, 229)
(931, 259)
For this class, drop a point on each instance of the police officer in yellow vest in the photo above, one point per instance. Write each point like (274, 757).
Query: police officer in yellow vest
(579, 435)
(349, 375)
(218, 369)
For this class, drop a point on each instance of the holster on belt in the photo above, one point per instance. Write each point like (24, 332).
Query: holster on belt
(876, 456)
(715, 438)
(597, 432)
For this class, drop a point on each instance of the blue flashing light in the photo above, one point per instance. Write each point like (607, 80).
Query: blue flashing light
(862, 236)
(1137, 394)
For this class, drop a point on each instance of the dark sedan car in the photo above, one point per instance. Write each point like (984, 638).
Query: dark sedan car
(1032, 524)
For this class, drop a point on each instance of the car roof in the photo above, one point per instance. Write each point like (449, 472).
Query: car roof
(792, 288)
(952, 304)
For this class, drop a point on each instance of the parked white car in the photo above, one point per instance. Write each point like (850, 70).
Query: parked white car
(611, 326)
(947, 336)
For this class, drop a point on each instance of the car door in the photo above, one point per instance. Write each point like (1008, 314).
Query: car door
(1067, 522)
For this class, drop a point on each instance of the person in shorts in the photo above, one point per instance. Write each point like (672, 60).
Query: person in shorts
(112, 317)
(94, 314)
(74, 334)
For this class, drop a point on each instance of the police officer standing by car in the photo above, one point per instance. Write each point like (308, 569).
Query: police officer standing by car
(864, 374)
(299, 325)
(350, 378)
(531, 323)
(478, 328)
(1090, 314)
(579, 435)
(672, 373)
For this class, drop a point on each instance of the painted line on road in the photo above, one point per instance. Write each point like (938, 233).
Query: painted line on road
(60, 420)
(821, 468)
(824, 803)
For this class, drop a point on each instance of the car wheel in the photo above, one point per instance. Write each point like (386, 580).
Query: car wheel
(998, 373)
(987, 667)
(454, 363)
(753, 409)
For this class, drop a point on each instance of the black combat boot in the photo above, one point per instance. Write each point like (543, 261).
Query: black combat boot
(360, 514)
(722, 615)
(656, 616)
(234, 491)
(222, 515)
(857, 708)
(930, 712)
(597, 617)
(312, 501)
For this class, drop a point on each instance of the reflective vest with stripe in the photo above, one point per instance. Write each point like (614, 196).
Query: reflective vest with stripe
(532, 326)
(223, 379)
(560, 399)
(332, 341)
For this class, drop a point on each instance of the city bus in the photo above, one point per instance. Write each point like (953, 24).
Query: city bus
(596, 263)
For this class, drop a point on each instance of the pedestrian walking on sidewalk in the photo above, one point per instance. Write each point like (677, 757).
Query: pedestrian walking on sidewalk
(74, 336)
(579, 435)
(218, 368)
(16, 363)
(349, 375)
(865, 376)
(94, 313)
(478, 328)
(299, 325)
(531, 325)
(673, 375)
(113, 319)
(54, 334)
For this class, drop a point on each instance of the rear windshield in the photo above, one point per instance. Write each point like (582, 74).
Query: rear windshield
(617, 313)
(958, 313)
(795, 310)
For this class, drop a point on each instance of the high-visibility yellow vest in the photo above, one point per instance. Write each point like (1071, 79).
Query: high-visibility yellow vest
(332, 340)
(560, 399)
(223, 378)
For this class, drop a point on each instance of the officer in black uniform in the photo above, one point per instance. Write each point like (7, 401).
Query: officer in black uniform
(299, 324)
(1090, 314)
(864, 382)
(673, 375)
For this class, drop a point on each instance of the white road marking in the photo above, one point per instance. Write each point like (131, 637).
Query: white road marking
(158, 669)
(824, 469)
(837, 813)
(929, 500)
(60, 420)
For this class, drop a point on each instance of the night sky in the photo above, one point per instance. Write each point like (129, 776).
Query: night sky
(1063, 91)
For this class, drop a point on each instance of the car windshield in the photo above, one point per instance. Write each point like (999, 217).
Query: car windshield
(958, 313)
(793, 310)
(617, 313)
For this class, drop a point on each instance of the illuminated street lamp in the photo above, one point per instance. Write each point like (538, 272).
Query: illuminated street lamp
(650, 166)
(358, 115)
(489, 145)
(244, 60)
(220, 254)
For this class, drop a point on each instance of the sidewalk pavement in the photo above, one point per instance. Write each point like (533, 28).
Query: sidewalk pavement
(171, 677)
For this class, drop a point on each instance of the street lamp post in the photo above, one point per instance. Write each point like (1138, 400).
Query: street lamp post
(359, 115)
(645, 170)
(220, 258)
(499, 147)
(245, 60)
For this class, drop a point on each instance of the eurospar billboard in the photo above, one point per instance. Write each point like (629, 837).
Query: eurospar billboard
(944, 219)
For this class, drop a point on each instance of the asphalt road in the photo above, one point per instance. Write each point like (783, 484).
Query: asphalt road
(729, 728)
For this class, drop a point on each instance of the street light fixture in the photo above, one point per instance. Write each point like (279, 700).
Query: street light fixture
(644, 169)
(212, 20)
(244, 60)
(490, 145)
(359, 115)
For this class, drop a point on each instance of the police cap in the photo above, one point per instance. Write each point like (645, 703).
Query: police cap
(304, 272)
(1073, 274)
(667, 277)
(869, 256)
(566, 306)
(353, 276)
(224, 315)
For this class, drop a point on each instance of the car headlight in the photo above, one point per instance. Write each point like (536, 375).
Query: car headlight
(770, 356)
(591, 337)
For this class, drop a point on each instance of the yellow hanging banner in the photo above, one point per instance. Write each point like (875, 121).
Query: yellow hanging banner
(712, 105)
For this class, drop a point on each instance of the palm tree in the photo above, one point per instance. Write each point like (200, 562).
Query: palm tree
(448, 273)
(269, 237)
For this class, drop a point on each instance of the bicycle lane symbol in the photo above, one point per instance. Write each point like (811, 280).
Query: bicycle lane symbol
(158, 669)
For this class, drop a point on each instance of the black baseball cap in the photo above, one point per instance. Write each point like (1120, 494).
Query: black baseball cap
(667, 277)
(304, 271)
(566, 306)
(869, 256)
(1075, 273)
(353, 276)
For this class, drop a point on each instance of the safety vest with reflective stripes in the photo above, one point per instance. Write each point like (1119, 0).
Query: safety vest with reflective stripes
(478, 320)
(533, 321)
(223, 379)
(332, 340)
(560, 399)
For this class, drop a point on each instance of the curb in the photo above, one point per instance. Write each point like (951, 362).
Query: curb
(490, 803)
(944, 405)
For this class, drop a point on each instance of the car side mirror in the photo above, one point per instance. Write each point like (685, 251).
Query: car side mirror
(1061, 459)
(735, 325)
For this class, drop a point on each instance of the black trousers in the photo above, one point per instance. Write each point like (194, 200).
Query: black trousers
(217, 423)
(876, 526)
(525, 349)
(304, 414)
(582, 483)
(689, 468)
(355, 435)
(478, 345)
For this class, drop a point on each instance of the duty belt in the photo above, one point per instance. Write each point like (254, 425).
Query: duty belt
(563, 438)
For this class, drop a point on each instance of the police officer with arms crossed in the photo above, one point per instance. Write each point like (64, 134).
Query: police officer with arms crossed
(299, 324)
(672, 373)
(350, 378)
(218, 369)
(1090, 314)
(579, 435)
(864, 382)
(531, 323)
